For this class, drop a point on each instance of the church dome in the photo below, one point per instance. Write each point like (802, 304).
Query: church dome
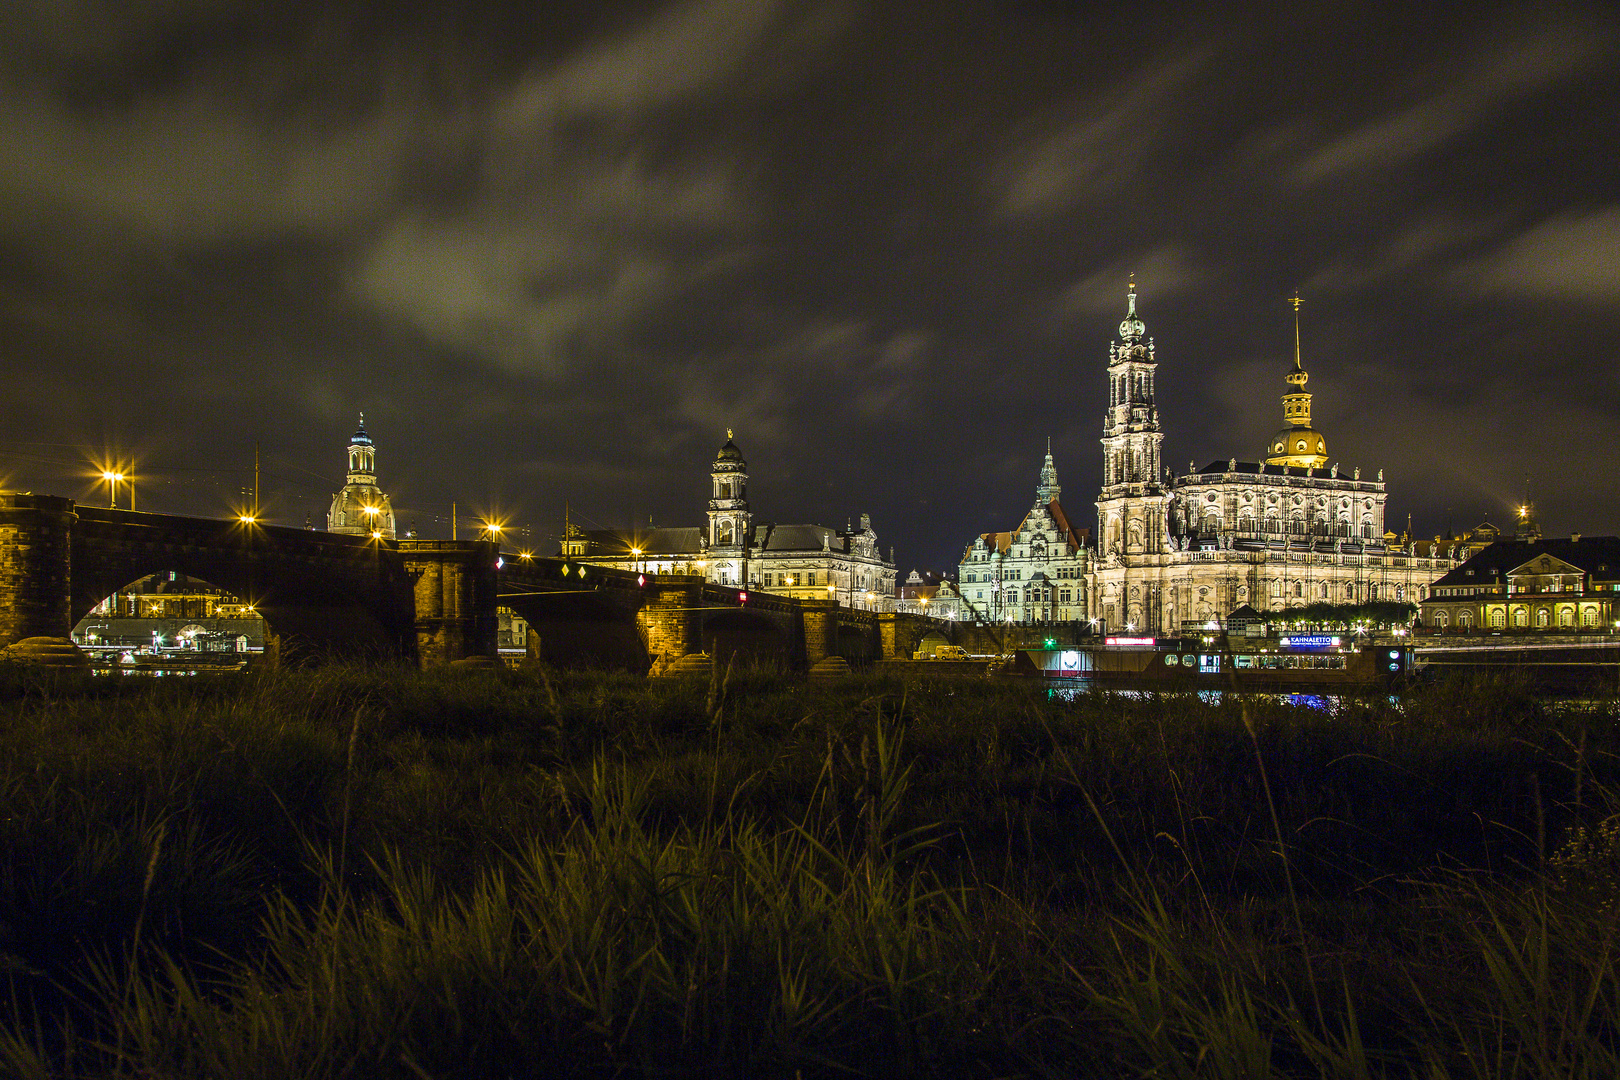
(360, 438)
(1302, 447)
(729, 452)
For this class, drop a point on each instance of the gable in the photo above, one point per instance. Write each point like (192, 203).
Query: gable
(1545, 564)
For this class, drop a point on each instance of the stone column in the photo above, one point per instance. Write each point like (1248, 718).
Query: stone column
(455, 598)
(669, 620)
(889, 637)
(36, 541)
(820, 629)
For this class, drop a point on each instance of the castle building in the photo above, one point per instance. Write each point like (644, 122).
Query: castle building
(812, 562)
(1035, 573)
(361, 508)
(1181, 552)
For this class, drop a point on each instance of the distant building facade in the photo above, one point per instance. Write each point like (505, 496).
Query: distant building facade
(1034, 573)
(814, 562)
(1177, 552)
(1174, 553)
(361, 508)
(1530, 585)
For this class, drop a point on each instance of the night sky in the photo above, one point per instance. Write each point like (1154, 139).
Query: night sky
(553, 254)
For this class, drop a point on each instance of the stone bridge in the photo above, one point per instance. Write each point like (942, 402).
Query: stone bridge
(327, 595)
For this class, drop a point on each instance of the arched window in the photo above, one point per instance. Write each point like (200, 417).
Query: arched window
(1566, 618)
(1350, 591)
(1324, 590)
(1299, 590)
(1440, 619)
(1543, 618)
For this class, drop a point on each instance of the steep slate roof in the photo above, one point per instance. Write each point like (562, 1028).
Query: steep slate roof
(796, 537)
(684, 539)
(1002, 541)
(675, 540)
(1598, 556)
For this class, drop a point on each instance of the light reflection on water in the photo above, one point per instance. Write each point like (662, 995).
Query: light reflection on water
(1327, 703)
(1076, 689)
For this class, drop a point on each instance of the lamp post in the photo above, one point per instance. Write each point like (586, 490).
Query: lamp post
(112, 477)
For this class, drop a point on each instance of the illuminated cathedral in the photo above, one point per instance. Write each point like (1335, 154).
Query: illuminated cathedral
(1180, 552)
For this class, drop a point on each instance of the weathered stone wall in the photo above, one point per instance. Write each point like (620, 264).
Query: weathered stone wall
(455, 598)
(669, 619)
(36, 586)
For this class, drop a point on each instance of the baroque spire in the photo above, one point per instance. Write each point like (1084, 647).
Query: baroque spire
(1048, 489)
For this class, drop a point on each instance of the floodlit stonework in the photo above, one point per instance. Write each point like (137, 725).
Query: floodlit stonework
(1176, 553)
(1181, 552)
(361, 508)
(809, 562)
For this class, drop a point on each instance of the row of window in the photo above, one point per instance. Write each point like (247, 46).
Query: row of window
(1543, 618)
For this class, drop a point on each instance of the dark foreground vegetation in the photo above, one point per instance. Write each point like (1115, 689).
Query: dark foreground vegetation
(369, 873)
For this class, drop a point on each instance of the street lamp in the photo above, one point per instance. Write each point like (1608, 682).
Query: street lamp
(112, 477)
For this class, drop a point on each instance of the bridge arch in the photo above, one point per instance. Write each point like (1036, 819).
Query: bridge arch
(748, 638)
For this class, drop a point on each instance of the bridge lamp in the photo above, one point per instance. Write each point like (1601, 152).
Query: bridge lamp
(376, 534)
(112, 479)
(246, 519)
(525, 555)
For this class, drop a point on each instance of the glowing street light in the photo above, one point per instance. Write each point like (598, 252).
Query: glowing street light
(247, 519)
(112, 477)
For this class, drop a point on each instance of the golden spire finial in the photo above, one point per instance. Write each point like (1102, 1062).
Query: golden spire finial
(728, 434)
(1296, 301)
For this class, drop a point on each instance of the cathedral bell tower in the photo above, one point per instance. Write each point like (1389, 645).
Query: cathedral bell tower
(1130, 510)
(729, 518)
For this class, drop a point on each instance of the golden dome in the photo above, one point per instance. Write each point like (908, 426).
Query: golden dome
(1301, 447)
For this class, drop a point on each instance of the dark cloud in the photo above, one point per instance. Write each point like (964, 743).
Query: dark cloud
(555, 251)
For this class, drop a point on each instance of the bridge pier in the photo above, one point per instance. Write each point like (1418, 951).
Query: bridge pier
(669, 621)
(455, 597)
(36, 555)
(889, 647)
(820, 629)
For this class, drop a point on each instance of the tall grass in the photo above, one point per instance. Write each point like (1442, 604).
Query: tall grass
(368, 872)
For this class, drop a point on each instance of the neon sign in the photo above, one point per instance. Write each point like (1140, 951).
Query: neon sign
(1129, 641)
(1309, 641)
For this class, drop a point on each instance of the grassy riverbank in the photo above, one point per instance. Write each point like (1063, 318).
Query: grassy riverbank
(373, 873)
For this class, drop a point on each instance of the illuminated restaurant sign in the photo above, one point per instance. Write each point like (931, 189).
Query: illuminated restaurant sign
(1147, 641)
(1309, 641)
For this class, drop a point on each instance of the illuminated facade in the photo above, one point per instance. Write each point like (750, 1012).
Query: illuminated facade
(361, 508)
(813, 562)
(1177, 552)
(1035, 573)
(1530, 585)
